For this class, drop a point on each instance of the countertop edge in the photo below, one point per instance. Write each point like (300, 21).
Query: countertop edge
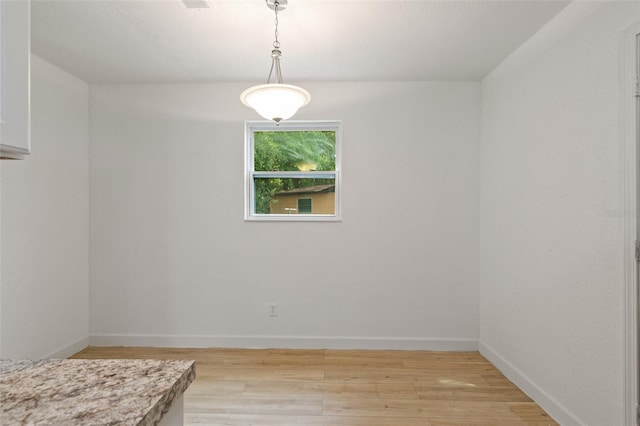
(163, 405)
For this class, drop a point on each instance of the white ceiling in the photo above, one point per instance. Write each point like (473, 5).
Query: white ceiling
(151, 41)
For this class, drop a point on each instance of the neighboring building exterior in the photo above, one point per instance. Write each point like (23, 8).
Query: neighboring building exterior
(318, 199)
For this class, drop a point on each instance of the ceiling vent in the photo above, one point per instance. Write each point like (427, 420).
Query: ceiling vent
(196, 4)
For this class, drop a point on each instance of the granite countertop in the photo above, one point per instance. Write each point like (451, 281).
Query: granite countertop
(90, 392)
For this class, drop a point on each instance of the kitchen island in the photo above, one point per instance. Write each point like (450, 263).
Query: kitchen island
(93, 392)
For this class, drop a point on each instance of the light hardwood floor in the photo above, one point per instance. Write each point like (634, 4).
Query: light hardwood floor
(343, 387)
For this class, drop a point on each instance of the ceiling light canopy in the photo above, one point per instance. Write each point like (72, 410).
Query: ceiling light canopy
(275, 101)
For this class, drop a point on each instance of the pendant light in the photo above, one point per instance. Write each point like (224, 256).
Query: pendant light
(275, 101)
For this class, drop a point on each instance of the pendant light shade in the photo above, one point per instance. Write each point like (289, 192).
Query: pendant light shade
(275, 101)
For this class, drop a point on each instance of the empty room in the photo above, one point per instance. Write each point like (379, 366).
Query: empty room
(319, 212)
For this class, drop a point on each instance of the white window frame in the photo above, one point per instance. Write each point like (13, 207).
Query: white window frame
(249, 200)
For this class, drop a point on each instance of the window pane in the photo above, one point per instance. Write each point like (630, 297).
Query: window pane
(288, 195)
(304, 205)
(294, 150)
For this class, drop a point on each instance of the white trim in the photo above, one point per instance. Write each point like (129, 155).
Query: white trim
(555, 409)
(630, 185)
(289, 342)
(70, 349)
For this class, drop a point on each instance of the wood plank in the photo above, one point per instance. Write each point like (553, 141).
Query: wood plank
(295, 353)
(450, 378)
(481, 410)
(290, 362)
(472, 393)
(207, 419)
(254, 405)
(497, 380)
(266, 420)
(483, 367)
(384, 407)
(286, 388)
(529, 411)
(205, 388)
(370, 390)
(366, 363)
(449, 421)
(320, 389)
(355, 375)
(247, 374)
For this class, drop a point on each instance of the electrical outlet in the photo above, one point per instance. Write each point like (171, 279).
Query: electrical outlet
(273, 309)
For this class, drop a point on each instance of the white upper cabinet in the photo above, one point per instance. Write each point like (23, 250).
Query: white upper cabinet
(14, 78)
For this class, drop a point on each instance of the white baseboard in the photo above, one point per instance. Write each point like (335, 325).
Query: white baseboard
(555, 409)
(288, 342)
(70, 349)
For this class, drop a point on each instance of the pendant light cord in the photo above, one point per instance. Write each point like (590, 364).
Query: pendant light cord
(276, 43)
(276, 54)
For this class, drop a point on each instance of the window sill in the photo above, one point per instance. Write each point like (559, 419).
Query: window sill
(292, 218)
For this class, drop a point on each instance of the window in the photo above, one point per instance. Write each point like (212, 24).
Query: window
(304, 205)
(292, 171)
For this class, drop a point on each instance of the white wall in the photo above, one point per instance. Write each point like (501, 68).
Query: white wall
(45, 224)
(552, 276)
(173, 262)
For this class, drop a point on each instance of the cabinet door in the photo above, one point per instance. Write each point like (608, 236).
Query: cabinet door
(14, 78)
